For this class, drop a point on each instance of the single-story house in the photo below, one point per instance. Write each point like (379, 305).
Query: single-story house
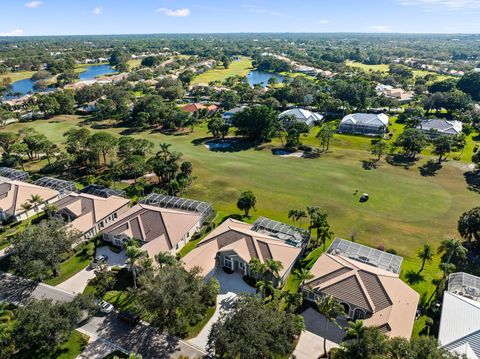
(88, 107)
(394, 92)
(13, 194)
(233, 244)
(460, 320)
(158, 229)
(435, 127)
(90, 214)
(301, 115)
(227, 115)
(364, 124)
(194, 107)
(366, 282)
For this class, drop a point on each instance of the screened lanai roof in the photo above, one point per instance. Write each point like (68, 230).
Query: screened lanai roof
(464, 284)
(57, 184)
(101, 191)
(13, 174)
(291, 235)
(368, 255)
(164, 201)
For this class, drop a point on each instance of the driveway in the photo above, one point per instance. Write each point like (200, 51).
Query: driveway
(230, 286)
(310, 346)
(77, 283)
(315, 323)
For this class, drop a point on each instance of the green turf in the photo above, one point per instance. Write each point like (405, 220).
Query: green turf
(194, 330)
(73, 265)
(240, 68)
(17, 76)
(73, 347)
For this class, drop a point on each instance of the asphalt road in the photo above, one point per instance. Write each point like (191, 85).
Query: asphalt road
(141, 339)
(16, 290)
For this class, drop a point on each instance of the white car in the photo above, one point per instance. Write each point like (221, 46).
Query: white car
(105, 307)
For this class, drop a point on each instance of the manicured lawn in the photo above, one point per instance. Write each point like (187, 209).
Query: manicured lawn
(193, 331)
(75, 264)
(365, 67)
(73, 347)
(17, 76)
(134, 63)
(405, 209)
(240, 68)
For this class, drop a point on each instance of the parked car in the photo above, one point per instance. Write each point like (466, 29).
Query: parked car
(98, 260)
(129, 318)
(105, 307)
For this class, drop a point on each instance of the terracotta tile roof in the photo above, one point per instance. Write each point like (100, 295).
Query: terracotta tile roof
(389, 302)
(239, 237)
(15, 193)
(194, 107)
(161, 229)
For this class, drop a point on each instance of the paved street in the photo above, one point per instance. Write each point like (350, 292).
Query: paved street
(16, 290)
(142, 339)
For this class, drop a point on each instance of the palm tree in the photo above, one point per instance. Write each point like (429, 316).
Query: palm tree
(166, 259)
(292, 300)
(257, 267)
(133, 254)
(264, 286)
(274, 267)
(331, 310)
(296, 214)
(50, 210)
(426, 255)
(303, 275)
(27, 206)
(35, 200)
(355, 330)
(452, 247)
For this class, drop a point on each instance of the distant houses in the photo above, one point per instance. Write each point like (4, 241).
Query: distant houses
(301, 115)
(195, 107)
(227, 115)
(460, 320)
(436, 127)
(364, 124)
(366, 282)
(394, 92)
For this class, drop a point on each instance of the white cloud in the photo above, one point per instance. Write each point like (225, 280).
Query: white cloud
(380, 28)
(33, 4)
(16, 32)
(174, 12)
(445, 4)
(98, 10)
(256, 10)
(323, 22)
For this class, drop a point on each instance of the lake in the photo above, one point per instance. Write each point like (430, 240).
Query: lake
(26, 86)
(261, 78)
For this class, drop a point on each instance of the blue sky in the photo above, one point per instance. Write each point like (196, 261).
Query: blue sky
(75, 17)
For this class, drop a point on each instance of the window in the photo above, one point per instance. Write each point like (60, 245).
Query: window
(241, 265)
(227, 262)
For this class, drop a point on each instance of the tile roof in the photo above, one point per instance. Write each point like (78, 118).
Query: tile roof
(160, 229)
(194, 107)
(15, 193)
(236, 236)
(88, 210)
(390, 303)
(442, 126)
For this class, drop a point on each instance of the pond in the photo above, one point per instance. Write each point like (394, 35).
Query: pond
(23, 87)
(261, 78)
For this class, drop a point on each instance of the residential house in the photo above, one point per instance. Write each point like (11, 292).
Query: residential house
(434, 127)
(301, 115)
(90, 214)
(366, 282)
(364, 124)
(233, 245)
(158, 229)
(227, 115)
(194, 107)
(397, 93)
(14, 193)
(460, 320)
